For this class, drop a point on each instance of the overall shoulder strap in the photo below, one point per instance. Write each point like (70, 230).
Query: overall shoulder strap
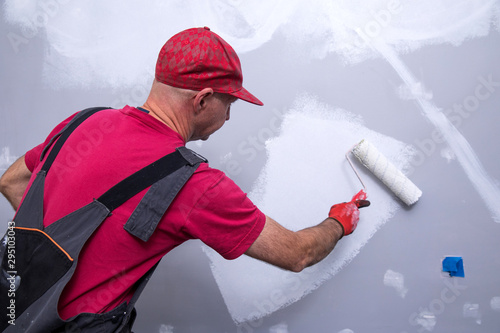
(64, 134)
(146, 216)
(30, 212)
(145, 177)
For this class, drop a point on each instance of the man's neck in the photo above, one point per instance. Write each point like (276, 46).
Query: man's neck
(163, 115)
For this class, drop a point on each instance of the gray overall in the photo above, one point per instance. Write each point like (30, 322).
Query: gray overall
(37, 262)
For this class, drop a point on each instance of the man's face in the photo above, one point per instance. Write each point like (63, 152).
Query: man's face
(216, 114)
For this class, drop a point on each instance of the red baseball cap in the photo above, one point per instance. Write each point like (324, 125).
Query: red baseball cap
(197, 58)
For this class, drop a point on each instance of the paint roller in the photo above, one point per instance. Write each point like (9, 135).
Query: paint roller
(384, 170)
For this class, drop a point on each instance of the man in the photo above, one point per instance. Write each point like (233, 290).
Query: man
(198, 76)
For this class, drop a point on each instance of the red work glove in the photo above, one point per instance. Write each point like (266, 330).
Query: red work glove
(347, 213)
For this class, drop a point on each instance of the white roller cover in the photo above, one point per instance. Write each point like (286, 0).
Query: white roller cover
(384, 170)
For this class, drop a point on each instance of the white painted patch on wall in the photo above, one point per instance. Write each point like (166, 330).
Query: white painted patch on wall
(88, 47)
(6, 159)
(427, 320)
(448, 154)
(472, 311)
(495, 303)
(397, 281)
(346, 330)
(306, 172)
(279, 328)
(166, 329)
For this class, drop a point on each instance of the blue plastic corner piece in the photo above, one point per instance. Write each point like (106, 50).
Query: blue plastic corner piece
(454, 266)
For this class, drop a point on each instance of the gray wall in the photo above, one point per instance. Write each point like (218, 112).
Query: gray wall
(453, 217)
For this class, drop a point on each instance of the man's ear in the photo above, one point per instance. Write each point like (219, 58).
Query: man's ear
(200, 100)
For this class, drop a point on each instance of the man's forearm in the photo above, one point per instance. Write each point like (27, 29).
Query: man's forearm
(295, 251)
(319, 241)
(14, 181)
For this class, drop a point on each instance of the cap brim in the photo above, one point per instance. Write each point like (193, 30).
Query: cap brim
(246, 96)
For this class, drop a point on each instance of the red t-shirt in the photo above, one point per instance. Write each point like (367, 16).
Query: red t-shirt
(106, 148)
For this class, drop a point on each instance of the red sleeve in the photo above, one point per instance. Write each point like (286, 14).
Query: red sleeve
(224, 218)
(32, 157)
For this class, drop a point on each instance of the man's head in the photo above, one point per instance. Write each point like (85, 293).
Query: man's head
(196, 59)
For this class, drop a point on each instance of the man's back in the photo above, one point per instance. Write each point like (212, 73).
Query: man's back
(105, 149)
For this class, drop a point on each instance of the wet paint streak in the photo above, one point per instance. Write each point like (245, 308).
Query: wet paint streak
(462, 150)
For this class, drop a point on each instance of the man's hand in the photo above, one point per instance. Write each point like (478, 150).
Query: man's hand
(347, 213)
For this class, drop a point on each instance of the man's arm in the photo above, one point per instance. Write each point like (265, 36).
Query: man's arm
(14, 181)
(295, 251)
